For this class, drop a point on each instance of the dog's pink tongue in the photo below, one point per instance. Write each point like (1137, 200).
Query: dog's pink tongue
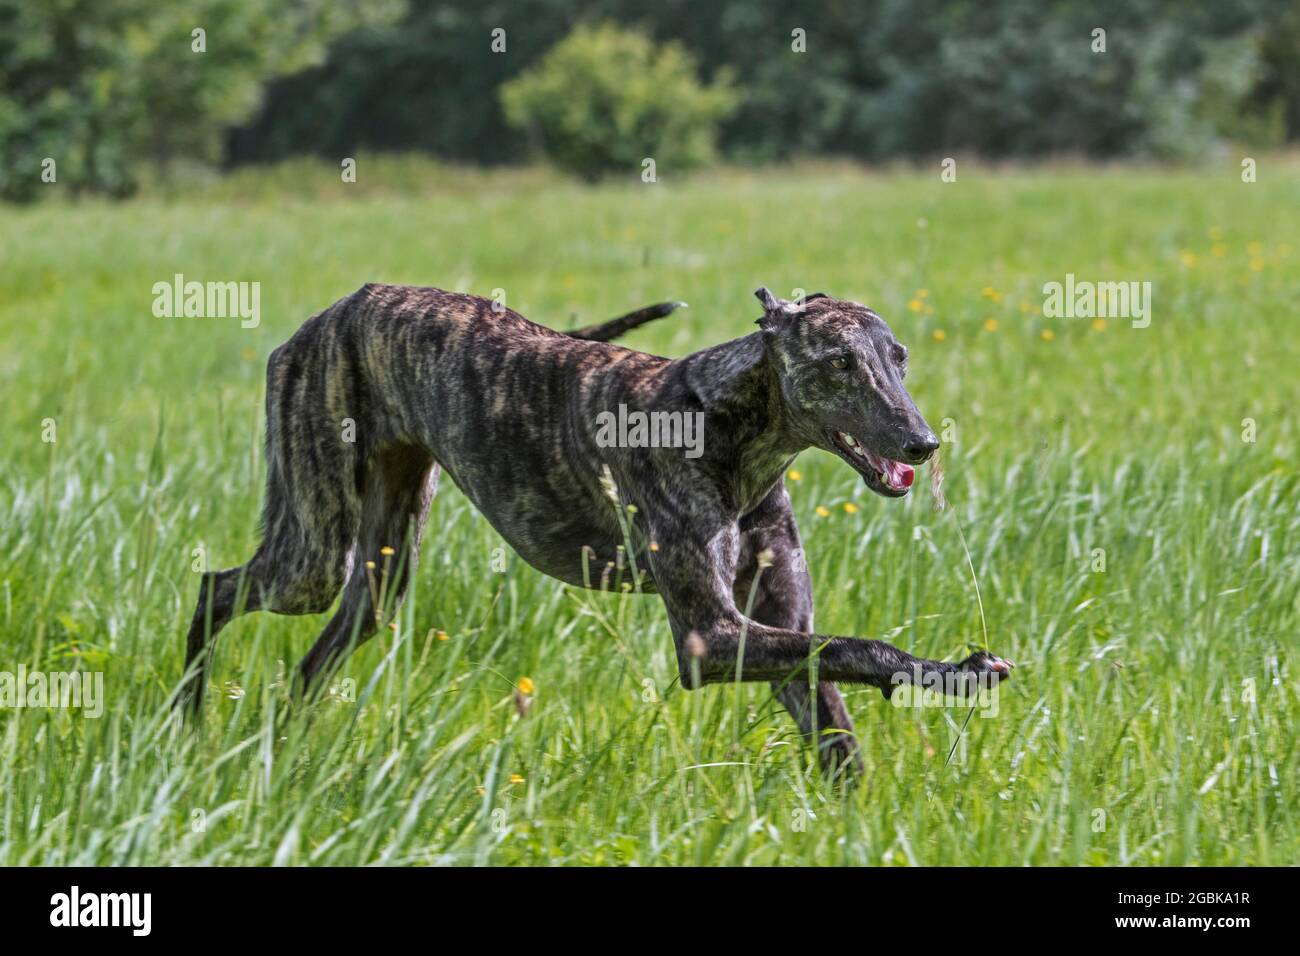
(901, 475)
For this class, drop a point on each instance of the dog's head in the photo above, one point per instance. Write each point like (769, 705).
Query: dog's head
(841, 377)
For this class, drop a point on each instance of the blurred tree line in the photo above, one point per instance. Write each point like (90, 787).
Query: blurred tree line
(879, 78)
(108, 85)
(93, 91)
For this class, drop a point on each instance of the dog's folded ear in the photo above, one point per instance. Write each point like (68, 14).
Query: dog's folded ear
(770, 302)
(776, 312)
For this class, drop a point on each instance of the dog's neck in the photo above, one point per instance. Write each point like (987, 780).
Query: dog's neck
(744, 408)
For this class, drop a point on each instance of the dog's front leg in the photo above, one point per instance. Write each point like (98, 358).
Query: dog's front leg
(694, 569)
(779, 594)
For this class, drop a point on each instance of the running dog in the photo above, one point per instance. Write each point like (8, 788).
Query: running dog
(373, 398)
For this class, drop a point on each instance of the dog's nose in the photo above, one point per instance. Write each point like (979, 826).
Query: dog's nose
(920, 446)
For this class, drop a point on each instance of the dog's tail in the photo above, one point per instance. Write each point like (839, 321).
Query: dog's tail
(612, 329)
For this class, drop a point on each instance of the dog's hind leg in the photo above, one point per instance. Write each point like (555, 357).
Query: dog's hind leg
(783, 598)
(222, 596)
(284, 576)
(400, 482)
(294, 571)
(309, 529)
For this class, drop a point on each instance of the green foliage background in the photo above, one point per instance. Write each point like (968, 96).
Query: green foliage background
(881, 79)
(603, 99)
(112, 90)
(106, 87)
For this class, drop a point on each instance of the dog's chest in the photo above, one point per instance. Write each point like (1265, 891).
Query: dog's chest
(562, 532)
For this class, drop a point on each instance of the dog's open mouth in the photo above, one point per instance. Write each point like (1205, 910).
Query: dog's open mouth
(883, 475)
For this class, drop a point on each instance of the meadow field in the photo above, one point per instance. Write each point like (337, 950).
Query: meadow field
(1128, 495)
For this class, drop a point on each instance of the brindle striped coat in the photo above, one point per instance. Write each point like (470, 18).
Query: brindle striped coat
(373, 398)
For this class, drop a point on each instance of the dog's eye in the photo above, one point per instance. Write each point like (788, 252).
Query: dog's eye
(840, 362)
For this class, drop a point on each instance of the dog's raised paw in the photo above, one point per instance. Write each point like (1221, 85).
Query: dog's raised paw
(982, 662)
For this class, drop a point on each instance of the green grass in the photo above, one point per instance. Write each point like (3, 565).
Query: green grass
(1151, 718)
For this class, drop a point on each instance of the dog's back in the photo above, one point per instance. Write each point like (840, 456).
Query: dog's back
(454, 377)
(387, 361)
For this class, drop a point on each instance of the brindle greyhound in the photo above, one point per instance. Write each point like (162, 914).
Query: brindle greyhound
(433, 380)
